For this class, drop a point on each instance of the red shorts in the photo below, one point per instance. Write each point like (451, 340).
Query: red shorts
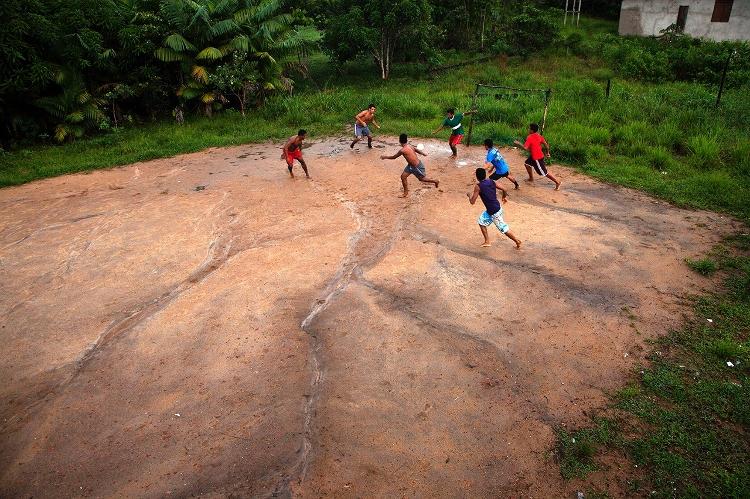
(292, 155)
(455, 140)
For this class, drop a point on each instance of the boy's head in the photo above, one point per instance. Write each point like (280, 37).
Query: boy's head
(534, 128)
(371, 107)
(488, 144)
(301, 134)
(403, 139)
(481, 174)
(451, 112)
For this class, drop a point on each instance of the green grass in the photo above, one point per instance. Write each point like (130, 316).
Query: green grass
(666, 139)
(684, 419)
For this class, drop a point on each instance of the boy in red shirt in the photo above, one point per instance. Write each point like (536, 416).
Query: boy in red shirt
(533, 144)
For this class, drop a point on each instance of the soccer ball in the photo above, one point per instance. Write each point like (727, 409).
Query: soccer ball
(420, 146)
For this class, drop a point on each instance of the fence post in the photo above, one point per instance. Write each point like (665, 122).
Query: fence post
(723, 77)
(473, 107)
(547, 95)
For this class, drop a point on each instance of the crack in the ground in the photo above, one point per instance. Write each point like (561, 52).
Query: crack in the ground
(349, 268)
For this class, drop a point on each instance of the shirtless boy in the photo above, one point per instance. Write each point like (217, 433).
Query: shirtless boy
(293, 150)
(533, 144)
(413, 164)
(362, 125)
(486, 189)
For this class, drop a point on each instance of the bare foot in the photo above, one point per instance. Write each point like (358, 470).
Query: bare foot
(484, 245)
(518, 245)
(557, 186)
(437, 183)
(404, 194)
(529, 180)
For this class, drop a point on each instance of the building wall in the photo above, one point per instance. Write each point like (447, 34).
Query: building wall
(648, 17)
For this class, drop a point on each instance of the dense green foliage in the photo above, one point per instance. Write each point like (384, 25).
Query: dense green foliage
(684, 419)
(71, 66)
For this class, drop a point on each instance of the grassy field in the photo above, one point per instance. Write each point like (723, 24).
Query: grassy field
(667, 139)
(683, 420)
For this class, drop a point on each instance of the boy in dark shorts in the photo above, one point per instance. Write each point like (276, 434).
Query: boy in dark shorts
(413, 164)
(487, 189)
(293, 150)
(453, 121)
(533, 144)
(495, 164)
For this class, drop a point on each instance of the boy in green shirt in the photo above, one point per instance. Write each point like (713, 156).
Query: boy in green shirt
(453, 121)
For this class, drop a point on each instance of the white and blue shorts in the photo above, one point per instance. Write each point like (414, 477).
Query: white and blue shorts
(486, 220)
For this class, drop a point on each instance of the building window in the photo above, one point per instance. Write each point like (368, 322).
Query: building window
(722, 10)
(682, 17)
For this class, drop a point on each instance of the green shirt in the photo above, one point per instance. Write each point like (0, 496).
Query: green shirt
(456, 120)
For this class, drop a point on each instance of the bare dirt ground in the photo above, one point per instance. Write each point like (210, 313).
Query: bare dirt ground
(203, 325)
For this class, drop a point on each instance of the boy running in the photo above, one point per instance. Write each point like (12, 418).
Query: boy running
(453, 121)
(293, 150)
(362, 125)
(487, 189)
(413, 164)
(533, 144)
(495, 164)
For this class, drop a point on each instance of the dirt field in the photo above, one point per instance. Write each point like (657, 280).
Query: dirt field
(203, 325)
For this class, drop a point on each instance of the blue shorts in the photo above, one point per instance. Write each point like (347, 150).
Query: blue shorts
(361, 131)
(417, 171)
(486, 220)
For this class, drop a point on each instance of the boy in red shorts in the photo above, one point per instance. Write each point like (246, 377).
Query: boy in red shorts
(293, 150)
(533, 144)
(453, 121)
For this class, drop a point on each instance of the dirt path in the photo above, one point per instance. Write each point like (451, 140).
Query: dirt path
(203, 325)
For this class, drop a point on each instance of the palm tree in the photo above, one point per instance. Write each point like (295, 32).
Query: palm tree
(207, 31)
(74, 108)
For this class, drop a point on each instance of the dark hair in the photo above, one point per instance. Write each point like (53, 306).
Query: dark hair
(534, 127)
(370, 105)
(481, 174)
(403, 138)
(302, 132)
(488, 143)
(450, 110)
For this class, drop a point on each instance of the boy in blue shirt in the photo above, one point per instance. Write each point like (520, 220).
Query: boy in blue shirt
(495, 164)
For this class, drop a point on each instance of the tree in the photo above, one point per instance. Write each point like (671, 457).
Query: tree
(238, 77)
(205, 32)
(385, 30)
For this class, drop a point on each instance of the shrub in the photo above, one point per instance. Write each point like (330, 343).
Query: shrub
(704, 266)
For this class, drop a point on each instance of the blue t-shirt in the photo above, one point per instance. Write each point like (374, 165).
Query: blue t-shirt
(487, 191)
(497, 160)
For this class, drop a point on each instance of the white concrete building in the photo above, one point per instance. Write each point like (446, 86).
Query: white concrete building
(715, 19)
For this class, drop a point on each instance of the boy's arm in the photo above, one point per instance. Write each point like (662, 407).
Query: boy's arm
(440, 128)
(358, 118)
(523, 146)
(469, 113)
(473, 196)
(375, 122)
(505, 193)
(544, 142)
(419, 151)
(391, 157)
(489, 167)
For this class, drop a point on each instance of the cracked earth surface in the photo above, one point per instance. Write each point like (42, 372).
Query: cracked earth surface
(203, 325)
